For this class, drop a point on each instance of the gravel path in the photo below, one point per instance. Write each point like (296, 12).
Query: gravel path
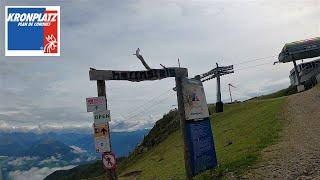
(297, 155)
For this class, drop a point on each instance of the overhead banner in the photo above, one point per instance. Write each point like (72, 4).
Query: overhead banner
(195, 103)
(198, 127)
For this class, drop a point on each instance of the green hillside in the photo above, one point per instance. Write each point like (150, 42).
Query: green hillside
(240, 133)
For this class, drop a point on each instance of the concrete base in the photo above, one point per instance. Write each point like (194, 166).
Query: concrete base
(219, 107)
(300, 88)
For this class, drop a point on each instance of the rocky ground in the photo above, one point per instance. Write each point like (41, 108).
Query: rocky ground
(297, 155)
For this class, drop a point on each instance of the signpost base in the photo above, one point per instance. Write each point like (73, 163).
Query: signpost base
(219, 107)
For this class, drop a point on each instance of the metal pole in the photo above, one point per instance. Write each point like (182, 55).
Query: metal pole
(230, 93)
(219, 104)
(218, 85)
(101, 87)
(296, 72)
(183, 129)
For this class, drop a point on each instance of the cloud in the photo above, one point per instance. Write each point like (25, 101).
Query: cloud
(48, 160)
(77, 149)
(35, 173)
(22, 160)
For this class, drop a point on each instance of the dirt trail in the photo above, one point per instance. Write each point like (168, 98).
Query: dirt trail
(297, 155)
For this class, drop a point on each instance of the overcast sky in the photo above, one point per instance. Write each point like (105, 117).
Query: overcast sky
(50, 92)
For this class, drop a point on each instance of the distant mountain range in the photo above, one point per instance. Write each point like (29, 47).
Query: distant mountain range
(21, 151)
(28, 143)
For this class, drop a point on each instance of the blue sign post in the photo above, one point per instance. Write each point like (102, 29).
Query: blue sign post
(200, 154)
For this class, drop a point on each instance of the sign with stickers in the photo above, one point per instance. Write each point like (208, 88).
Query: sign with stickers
(195, 103)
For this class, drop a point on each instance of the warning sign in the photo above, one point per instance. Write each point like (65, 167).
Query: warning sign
(109, 160)
(100, 130)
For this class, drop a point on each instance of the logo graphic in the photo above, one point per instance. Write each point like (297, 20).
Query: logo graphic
(32, 31)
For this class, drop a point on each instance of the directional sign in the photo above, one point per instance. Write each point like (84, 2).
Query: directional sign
(109, 160)
(195, 103)
(101, 117)
(102, 144)
(100, 130)
(96, 104)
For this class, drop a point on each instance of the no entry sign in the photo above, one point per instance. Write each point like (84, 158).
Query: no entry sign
(109, 160)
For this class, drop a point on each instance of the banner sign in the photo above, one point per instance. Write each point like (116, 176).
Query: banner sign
(195, 103)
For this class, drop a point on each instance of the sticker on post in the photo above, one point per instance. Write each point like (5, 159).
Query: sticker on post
(101, 117)
(95, 104)
(109, 161)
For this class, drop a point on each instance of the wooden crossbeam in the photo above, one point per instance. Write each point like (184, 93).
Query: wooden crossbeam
(136, 76)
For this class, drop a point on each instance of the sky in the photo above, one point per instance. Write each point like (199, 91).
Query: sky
(48, 93)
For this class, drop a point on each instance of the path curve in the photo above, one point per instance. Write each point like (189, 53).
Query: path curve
(297, 155)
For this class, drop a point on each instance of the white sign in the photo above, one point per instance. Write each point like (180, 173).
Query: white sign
(195, 103)
(109, 161)
(96, 104)
(101, 117)
(102, 144)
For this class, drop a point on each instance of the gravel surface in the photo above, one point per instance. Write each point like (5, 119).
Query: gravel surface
(297, 154)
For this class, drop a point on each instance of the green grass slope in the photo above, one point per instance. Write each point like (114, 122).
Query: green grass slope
(240, 133)
(283, 92)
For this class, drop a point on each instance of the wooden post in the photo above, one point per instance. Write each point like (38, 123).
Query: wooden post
(183, 128)
(101, 87)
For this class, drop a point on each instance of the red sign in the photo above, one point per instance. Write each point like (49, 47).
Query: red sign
(109, 160)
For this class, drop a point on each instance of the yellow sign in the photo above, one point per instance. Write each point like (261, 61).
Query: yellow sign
(100, 130)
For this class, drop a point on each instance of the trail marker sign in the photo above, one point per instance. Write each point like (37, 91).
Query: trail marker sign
(101, 117)
(96, 104)
(109, 161)
(100, 130)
